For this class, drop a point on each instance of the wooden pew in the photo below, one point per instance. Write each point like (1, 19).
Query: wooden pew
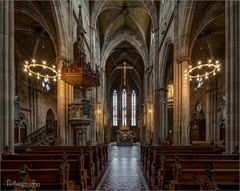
(152, 151)
(220, 180)
(99, 152)
(162, 170)
(191, 174)
(93, 162)
(94, 165)
(44, 178)
(188, 179)
(75, 166)
(153, 157)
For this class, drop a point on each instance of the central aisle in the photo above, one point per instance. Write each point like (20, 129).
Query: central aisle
(123, 172)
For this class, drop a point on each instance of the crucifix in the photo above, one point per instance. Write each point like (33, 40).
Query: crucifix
(124, 67)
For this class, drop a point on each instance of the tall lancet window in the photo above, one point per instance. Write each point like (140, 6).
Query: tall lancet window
(115, 117)
(133, 109)
(124, 108)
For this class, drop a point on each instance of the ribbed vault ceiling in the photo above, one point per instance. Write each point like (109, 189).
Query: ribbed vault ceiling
(210, 41)
(115, 18)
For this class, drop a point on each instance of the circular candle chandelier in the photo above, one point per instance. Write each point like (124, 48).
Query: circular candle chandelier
(202, 70)
(42, 70)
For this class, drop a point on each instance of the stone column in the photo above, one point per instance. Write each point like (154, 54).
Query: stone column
(156, 109)
(96, 119)
(101, 94)
(61, 109)
(70, 140)
(211, 112)
(181, 104)
(155, 116)
(144, 127)
(7, 74)
(107, 105)
(208, 116)
(162, 114)
(232, 77)
(69, 99)
(148, 114)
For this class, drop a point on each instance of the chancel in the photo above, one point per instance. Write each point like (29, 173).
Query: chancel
(119, 94)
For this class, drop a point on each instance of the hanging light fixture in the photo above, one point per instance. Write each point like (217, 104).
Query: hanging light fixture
(203, 70)
(41, 70)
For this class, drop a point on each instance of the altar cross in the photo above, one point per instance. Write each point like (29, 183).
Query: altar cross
(124, 67)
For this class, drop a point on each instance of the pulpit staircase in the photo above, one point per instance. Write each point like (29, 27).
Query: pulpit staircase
(44, 136)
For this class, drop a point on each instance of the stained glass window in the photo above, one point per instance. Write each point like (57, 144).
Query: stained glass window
(46, 85)
(124, 108)
(115, 117)
(133, 109)
(199, 84)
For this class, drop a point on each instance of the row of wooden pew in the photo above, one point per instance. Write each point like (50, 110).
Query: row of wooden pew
(190, 167)
(53, 167)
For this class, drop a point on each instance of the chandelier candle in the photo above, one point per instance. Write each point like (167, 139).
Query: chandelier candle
(204, 70)
(41, 70)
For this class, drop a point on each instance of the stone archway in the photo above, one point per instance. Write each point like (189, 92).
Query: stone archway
(198, 124)
(50, 117)
(165, 102)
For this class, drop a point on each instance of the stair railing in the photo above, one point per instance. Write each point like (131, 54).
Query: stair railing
(40, 134)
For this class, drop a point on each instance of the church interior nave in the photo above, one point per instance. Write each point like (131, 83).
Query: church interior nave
(119, 94)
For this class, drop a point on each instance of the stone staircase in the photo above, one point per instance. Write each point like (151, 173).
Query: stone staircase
(49, 140)
(44, 136)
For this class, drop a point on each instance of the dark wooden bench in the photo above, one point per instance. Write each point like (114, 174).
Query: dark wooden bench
(152, 151)
(162, 168)
(192, 174)
(160, 171)
(43, 179)
(190, 179)
(88, 155)
(99, 152)
(73, 159)
(95, 158)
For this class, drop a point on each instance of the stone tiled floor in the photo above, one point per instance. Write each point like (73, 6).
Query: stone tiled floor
(123, 172)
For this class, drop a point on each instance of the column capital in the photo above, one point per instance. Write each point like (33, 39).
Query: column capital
(162, 89)
(184, 59)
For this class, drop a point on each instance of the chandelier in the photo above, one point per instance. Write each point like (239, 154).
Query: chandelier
(202, 70)
(80, 73)
(41, 70)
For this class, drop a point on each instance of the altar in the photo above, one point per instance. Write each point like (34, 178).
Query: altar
(125, 136)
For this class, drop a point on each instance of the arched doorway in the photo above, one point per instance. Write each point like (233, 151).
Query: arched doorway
(50, 117)
(198, 124)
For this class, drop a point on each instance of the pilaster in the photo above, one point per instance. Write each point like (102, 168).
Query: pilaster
(61, 109)
(7, 73)
(181, 103)
(162, 115)
(232, 77)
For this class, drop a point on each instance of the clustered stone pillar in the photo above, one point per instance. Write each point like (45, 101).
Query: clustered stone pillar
(162, 115)
(61, 109)
(69, 129)
(156, 129)
(149, 129)
(181, 104)
(212, 127)
(232, 68)
(7, 75)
